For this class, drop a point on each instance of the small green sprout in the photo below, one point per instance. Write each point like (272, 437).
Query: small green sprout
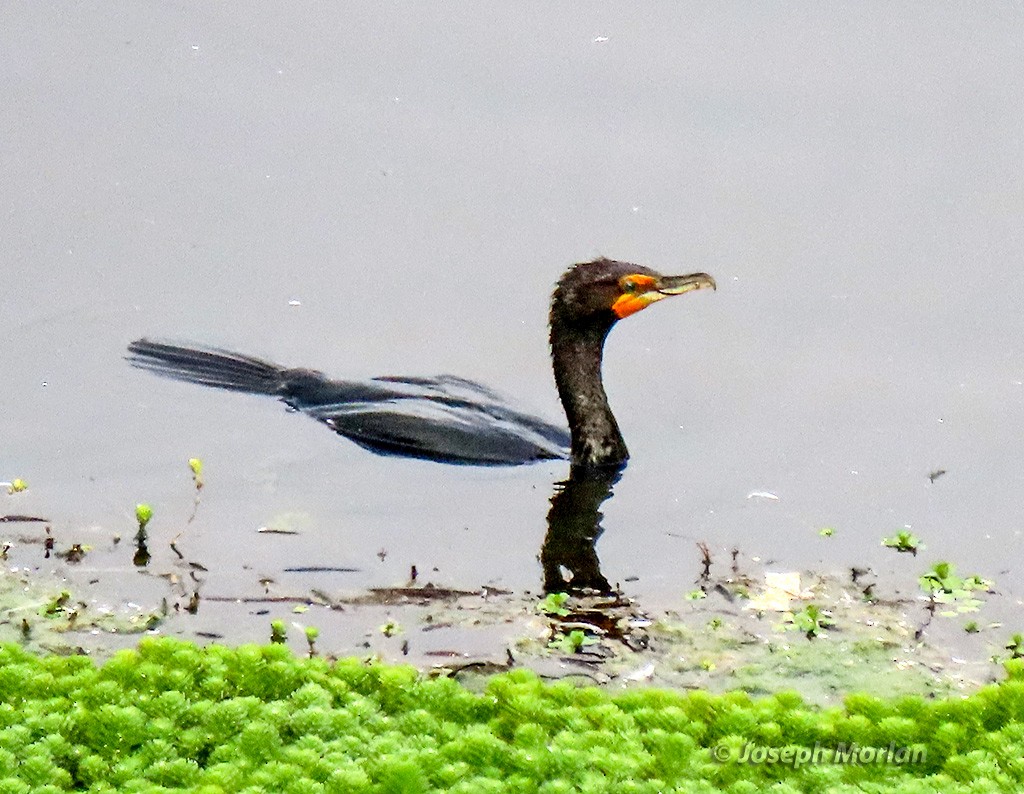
(971, 627)
(827, 532)
(707, 665)
(17, 486)
(715, 624)
(311, 635)
(554, 604)
(1016, 646)
(811, 620)
(573, 642)
(143, 514)
(197, 471)
(56, 604)
(278, 632)
(298, 609)
(390, 629)
(903, 541)
(695, 595)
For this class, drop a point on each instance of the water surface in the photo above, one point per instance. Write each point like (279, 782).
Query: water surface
(385, 189)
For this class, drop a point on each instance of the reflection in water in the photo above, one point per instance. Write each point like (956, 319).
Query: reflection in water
(574, 525)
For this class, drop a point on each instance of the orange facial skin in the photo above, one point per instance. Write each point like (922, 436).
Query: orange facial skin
(638, 292)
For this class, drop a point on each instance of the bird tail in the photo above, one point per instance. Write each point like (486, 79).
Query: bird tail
(208, 366)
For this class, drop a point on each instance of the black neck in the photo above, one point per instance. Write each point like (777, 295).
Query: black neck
(576, 351)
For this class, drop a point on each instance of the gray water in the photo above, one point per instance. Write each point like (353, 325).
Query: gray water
(377, 188)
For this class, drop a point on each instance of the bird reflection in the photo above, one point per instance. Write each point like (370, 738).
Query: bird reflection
(568, 556)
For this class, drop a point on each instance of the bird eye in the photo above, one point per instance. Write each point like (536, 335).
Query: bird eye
(628, 285)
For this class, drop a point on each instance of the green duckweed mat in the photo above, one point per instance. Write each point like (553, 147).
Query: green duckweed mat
(171, 716)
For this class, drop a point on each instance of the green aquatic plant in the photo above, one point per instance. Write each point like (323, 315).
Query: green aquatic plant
(811, 620)
(57, 605)
(943, 587)
(311, 637)
(554, 604)
(278, 632)
(196, 466)
(572, 642)
(17, 485)
(170, 716)
(904, 541)
(143, 515)
(827, 532)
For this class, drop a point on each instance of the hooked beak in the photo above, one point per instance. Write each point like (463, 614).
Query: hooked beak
(662, 287)
(677, 285)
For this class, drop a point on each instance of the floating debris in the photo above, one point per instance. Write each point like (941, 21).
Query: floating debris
(779, 590)
(763, 495)
(645, 673)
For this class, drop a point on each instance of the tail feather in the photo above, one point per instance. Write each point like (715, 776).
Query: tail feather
(208, 366)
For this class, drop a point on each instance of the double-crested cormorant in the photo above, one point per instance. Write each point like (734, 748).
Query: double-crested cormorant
(451, 419)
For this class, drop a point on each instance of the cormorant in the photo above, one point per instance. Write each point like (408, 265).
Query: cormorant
(451, 419)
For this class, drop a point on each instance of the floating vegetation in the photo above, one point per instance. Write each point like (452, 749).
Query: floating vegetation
(170, 716)
(312, 633)
(904, 541)
(143, 514)
(554, 604)
(17, 485)
(196, 465)
(811, 620)
(944, 587)
(572, 642)
(57, 605)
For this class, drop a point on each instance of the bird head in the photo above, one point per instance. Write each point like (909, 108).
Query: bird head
(605, 291)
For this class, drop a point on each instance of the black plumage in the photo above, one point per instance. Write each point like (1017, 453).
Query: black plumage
(452, 419)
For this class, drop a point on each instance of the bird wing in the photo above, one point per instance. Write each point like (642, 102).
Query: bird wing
(462, 392)
(448, 430)
(446, 386)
